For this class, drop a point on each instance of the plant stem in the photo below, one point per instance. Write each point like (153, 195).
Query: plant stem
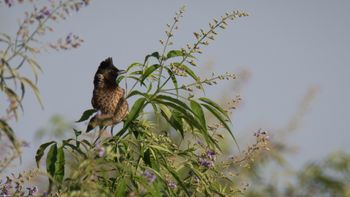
(169, 35)
(34, 33)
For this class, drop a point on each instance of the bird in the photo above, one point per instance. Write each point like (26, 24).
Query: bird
(108, 98)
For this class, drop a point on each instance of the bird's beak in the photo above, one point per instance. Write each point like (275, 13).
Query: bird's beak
(121, 72)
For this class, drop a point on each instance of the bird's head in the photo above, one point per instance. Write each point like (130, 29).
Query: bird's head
(108, 71)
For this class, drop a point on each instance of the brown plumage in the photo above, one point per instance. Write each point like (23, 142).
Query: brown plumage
(108, 98)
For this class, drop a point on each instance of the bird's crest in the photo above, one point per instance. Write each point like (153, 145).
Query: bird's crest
(106, 63)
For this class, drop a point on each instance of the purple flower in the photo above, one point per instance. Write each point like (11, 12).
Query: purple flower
(32, 190)
(200, 143)
(150, 176)
(44, 12)
(101, 151)
(5, 190)
(69, 38)
(86, 2)
(205, 163)
(171, 184)
(18, 187)
(211, 155)
(257, 133)
(39, 17)
(25, 144)
(9, 2)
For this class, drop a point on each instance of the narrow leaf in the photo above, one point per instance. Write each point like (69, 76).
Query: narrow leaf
(136, 92)
(177, 178)
(119, 79)
(173, 79)
(215, 105)
(198, 111)
(172, 118)
(174, 100)
(34, 88)
(121, 187)
(154, 54)
(133, 114)
(40, 152)
(133, 65)
(51, 160)
(9, 133)
(177, 53)
(74, 148)
(77, 133)
(218, 115)
(149, 70)
(86, 115)
(59, 165)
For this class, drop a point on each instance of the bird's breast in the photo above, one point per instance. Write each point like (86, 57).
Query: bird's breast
(106, 99)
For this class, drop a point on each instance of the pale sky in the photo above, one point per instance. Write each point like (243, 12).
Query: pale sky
(287, 46)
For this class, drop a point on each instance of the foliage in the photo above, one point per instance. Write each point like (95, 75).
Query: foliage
(140, 160)
(19, 51)
(329, 177)
(168, 145)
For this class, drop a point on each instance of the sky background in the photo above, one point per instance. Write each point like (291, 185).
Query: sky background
(286, 46)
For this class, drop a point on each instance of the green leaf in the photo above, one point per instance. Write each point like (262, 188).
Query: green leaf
(172, 118)
(6, 36)
(77, 133)
(86, 115)
(187, 115)
(74, 148)
(136, 92)
(177, 53)
(177, 178)
(154, 54)
(133, 65)
(9, 133)
(59, 165)
(147, 158)
(34, 65)
(174, 100)
(149, 70)
(119, 79)
(34, 88)
(138, 72)
(190, 72)
(215, 105)
(154, 161)
(23, 90)
(149, 88)
(121, 187)
(133, 114)
(218, 115)
(40, 152)
(198, 111)
(51, 160)
(173, 79)
(191, 120)
(86, 143)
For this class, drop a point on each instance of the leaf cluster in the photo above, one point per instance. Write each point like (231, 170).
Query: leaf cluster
(139, 159)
